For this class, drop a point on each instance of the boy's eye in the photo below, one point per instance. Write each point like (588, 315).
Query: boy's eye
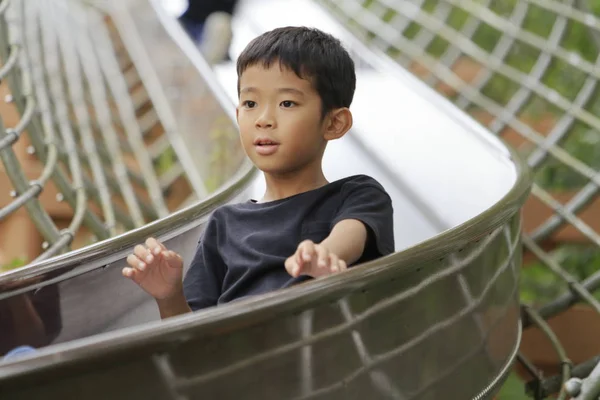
(249, 104)
(287, 103)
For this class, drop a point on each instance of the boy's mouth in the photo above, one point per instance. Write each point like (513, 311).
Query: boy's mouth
(265, 147)
(265, 142)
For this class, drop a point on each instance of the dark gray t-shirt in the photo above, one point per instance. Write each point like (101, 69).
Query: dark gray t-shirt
(244, 246)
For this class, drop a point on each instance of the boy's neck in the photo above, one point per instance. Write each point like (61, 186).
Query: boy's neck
(282, 186)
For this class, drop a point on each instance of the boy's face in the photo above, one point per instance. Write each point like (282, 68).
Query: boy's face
(279, 115)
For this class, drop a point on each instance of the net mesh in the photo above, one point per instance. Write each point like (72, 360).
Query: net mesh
(84, 153)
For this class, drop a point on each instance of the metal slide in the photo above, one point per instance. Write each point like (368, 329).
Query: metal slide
(527, 70)
(438, 319)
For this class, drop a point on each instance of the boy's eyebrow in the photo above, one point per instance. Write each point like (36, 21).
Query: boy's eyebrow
(291, 90)
(280, 90)
(248, 90)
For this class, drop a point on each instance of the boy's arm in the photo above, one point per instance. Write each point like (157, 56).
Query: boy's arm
(171, 307)
(347, 240)
(344, 245)
(200, 287)
(362, 230)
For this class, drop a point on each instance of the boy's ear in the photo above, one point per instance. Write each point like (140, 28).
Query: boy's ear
(338, 122)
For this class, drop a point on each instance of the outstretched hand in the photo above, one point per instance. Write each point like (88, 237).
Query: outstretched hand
(314, 260)
(156, 269)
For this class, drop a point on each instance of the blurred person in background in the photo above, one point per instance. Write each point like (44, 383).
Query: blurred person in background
(208, 22)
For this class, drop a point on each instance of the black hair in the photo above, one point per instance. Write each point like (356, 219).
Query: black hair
(313, 55)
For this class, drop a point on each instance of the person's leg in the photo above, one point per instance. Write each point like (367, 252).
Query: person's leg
(194, 30)
(217, 37)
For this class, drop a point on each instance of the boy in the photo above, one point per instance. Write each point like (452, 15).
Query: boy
(295, 87)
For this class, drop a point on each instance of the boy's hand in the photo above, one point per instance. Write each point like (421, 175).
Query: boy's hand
(314, 260)
(156, 269)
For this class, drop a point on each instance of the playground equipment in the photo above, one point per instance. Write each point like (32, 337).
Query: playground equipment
(447, 301)
(528, 70)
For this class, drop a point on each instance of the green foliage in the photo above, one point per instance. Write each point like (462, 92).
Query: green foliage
(584, 144)
(165, 161)
(513, 389)
(13, 264)
(540, 285)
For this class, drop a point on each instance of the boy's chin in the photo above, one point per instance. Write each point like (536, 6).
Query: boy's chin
(270, 170)
(274, 169)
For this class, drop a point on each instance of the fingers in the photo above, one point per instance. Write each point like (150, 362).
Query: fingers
(135, 269)
(173, 259)
(152, 250)
(323, 257)
(323, 261)
(291, 266)
(300, 260)
(314, 260)
(333, 263)
(154, 246)
(336, 264)
(340, 266)
(143, 256)
(306, 251)
(296, 264)
(136, 262)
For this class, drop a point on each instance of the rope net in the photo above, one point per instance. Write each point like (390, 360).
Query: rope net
(93, 131)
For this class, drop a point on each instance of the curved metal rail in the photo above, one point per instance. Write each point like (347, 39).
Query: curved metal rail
(528, 70)
(354, 335)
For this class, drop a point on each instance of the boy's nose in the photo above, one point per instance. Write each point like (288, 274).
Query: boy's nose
(265, 120)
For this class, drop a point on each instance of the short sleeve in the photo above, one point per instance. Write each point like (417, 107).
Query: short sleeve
(367, 201)
(203, 281)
